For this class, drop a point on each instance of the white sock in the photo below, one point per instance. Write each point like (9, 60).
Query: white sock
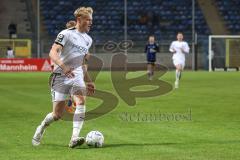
(47, 120)
(178, 73)
(78, 120)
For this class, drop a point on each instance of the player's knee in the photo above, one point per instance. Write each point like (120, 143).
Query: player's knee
(179, 67)
(82, 102)
(57, 116)
(79, 100)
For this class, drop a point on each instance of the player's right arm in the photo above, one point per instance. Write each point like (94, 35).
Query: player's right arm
(57, 47)
(171, 49)
(54, 55)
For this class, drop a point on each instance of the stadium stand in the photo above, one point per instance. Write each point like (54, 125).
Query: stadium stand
(16, 12)
(161, 18)
(229, 10)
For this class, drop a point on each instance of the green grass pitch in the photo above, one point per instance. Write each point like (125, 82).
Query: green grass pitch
(212, 132)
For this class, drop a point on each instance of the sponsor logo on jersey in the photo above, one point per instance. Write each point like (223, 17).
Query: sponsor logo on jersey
(80, 48)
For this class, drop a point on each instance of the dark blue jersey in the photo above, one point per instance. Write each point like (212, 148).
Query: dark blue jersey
(151, 50)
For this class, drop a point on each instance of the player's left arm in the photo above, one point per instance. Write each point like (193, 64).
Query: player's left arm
(87, 78)
(157, 48)
(145, 50)
(185, 49)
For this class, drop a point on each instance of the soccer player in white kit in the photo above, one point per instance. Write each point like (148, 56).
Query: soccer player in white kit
(68, 54)
(179, 48)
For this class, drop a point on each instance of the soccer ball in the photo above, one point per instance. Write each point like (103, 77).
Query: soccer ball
(95, 139)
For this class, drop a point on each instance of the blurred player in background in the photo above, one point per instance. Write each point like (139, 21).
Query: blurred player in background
(10, 52)
(151, 49)
(179, 48)
(71, 24)
(68, 55)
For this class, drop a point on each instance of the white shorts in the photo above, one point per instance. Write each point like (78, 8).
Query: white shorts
(179, 59)
(179, 62)
(62, 86)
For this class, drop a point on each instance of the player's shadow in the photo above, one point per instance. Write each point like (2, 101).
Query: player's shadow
(115, 145)
(54, 145)
(137, 144)
(126, 145)
(142, 144)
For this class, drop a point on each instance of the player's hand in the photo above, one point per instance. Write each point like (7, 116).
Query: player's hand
(68, 71)
(182, 50)
(173, 51)
(152, 50)
(90, 88)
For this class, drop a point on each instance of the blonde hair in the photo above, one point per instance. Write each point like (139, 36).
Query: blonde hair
(83, 11)
(70, 24)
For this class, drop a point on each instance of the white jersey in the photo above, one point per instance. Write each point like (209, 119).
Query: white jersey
(75, 46)
(178, 46)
